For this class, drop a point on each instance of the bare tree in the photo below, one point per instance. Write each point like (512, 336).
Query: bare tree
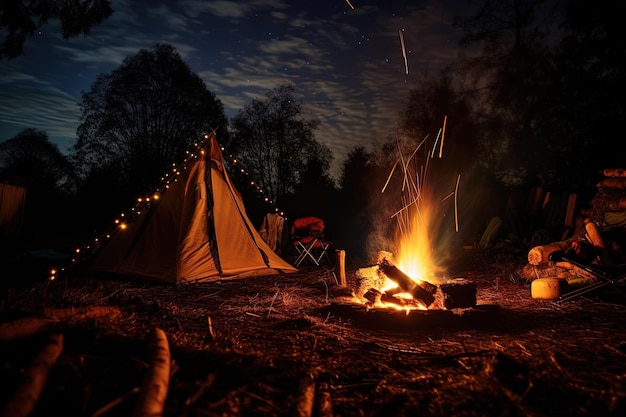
(276, 142)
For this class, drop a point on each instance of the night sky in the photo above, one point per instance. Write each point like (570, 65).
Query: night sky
(345, 60)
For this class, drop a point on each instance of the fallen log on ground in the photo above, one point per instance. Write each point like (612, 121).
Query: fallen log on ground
(28, 393)
(305, 400)
(151, 401)
(25, 327)
(79, 314)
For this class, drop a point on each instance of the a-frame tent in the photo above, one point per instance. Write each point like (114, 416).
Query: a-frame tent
(197, 230)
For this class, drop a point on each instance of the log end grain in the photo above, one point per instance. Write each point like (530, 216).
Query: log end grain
(548, 288)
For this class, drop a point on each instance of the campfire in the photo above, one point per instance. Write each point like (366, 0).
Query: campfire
(385, 286)
(410, 280)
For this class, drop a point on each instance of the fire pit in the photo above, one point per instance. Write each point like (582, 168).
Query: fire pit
(387, 298)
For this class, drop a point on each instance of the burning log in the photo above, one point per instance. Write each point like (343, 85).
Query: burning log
(373, 296)
(377, 298)
(421, 291)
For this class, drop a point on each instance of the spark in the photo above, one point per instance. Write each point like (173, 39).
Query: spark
(405, 207)
(406, 62)
(445, 119)
(389, 177)
(350, 4)
(432, 152)
(456, 204)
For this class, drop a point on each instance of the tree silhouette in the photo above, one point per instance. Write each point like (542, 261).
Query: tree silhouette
(31, 157)
(586, 113)
(511, 76)
(276, 142)
(21, 18)
(143, 117)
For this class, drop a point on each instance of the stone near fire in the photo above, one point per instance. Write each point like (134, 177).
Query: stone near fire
(458, 293)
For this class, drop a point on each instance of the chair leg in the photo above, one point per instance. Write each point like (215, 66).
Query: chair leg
(306, 253)
(323, 253)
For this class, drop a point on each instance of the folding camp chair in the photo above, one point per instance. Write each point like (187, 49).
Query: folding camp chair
(606, 276)
(308, 238)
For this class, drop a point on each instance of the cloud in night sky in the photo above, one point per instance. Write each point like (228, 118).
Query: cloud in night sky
(346, 65)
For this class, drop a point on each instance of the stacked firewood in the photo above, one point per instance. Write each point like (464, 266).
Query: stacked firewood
(598, 232)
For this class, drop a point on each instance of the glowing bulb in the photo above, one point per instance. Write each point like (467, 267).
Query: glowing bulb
(156, 196)
(123, 226)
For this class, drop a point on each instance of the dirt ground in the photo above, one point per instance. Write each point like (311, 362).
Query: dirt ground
(279, 345)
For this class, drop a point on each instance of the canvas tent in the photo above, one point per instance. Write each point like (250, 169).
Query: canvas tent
(197, 230)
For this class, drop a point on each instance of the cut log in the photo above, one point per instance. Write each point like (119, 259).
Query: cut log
(548, 288)
(615, 204)
(151, 401)
(324, 401)
(423, 295)
(27, 395)
(366, 278)
(306, 397)
(614, 172)
(618, 183)
(538, 255)
(340, 267)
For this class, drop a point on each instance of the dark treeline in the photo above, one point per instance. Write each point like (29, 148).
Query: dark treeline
(537, 103)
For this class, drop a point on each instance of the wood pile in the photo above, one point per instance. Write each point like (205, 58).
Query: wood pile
(596, 237)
